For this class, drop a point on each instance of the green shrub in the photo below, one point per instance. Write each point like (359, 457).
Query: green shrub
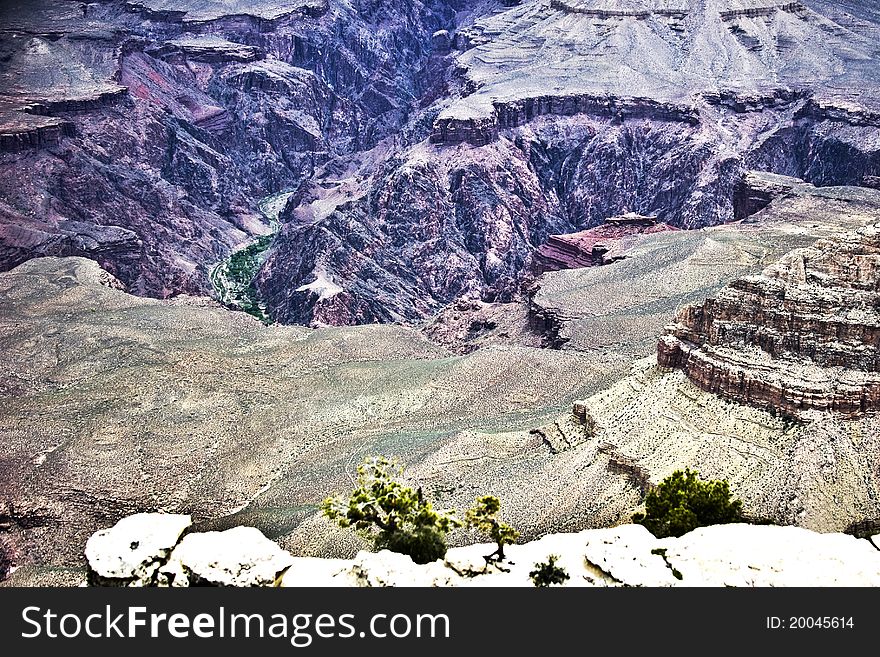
(397, 518)
(548, 573)
(393, 515)
(484, 517)
(682, 502)
(422, 544)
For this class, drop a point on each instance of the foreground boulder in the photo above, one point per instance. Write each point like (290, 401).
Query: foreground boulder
(629, 555)
(241, 556)
(130, 552)
(746, 555)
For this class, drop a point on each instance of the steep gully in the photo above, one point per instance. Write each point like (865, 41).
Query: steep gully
(235, 279)
(232, 277)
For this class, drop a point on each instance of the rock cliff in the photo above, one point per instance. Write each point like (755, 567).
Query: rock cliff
(654, 108)
(595, 246)
(171, 120)
(430, 154)
(802, 336)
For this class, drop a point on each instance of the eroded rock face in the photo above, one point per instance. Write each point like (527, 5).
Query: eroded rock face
(519, 153)
(595, 246)
(142, 134)
(430, 156)
(402, 235)
(804, 335)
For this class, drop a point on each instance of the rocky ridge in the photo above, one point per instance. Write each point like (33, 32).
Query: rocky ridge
(628, 555)
(169, 121)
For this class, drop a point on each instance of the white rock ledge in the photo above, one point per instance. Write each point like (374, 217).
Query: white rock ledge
(723, 555)
(130, 553)
(241, 556)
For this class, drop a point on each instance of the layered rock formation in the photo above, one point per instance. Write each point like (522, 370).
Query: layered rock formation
(452, 127)
(563, 115)
(433, 146)
(595, 246)
(723, 555)
(802, 336)
(731, 44)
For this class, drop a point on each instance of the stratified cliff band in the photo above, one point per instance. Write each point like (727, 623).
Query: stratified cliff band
(804, 335)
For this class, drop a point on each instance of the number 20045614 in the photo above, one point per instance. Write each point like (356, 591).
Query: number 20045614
(810, 623)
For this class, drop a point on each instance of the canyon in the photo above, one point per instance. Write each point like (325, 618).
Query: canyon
(115, 404)
(425, 153)
(452, 223)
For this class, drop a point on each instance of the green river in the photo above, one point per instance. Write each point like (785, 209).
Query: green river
(232, 278)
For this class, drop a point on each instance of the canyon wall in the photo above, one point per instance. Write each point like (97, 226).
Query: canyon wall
(431, 158)
(170, 127)
(802, 336)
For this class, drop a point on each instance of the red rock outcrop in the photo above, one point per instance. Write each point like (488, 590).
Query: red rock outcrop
(595, 246)
(803, 335)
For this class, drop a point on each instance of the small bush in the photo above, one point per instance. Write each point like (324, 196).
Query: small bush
(393, 515)
(484, 517)
(548, 573)
(397, 518)
(682, 502)
(422, 544)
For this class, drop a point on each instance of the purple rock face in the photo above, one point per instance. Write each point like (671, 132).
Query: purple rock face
(433, 222)
(427, 153)
(143, 137)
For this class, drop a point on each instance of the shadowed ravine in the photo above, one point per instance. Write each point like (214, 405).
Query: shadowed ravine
(232, 279)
